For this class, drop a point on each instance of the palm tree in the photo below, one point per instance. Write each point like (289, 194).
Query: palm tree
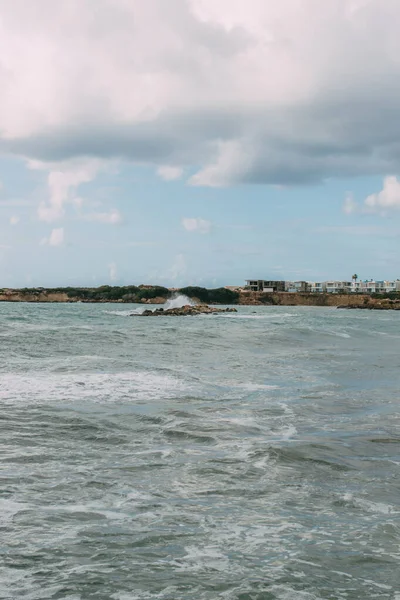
(354, 277)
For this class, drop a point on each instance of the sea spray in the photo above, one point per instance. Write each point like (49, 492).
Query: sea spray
(177, 301)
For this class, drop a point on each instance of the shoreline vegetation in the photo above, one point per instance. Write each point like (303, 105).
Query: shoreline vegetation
(147, 294)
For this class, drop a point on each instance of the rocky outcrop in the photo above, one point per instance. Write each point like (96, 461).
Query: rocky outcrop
(157, 300)
(375, 304)
(42, 296)
(183, 311)
(301, 299)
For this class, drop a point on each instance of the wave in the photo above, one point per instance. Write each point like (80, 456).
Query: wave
(41, 388)
(257, 316)
(122, 313)
(177, 301)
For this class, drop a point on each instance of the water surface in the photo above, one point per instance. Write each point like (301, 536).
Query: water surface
(248, 456)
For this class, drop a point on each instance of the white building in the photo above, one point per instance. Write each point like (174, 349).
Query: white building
(375, 287)
(297, 286)
(337, 287)
(330, 287)
(317, 287)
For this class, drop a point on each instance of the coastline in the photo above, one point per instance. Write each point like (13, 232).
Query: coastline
(242, 298)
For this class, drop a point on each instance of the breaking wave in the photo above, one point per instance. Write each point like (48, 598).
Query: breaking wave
(177, 301)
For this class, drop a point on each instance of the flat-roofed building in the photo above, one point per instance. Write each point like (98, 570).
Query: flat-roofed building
(297, 286)
(317, 287)
(337, 287)
(263, 285)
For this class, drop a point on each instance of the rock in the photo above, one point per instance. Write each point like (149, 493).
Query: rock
(199, 309)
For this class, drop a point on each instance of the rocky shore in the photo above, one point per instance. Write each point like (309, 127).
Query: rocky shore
(373, 304)
(199, 296)
(183, 311)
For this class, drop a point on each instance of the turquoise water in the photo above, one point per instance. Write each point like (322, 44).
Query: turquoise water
(248, 456)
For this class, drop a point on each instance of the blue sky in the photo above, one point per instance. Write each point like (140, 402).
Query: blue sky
(239, 140)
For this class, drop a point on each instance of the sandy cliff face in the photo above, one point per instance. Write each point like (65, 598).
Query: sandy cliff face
(288, 299)
(18, 296)
(245, 298)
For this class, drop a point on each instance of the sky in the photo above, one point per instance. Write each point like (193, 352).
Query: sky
(198, 142)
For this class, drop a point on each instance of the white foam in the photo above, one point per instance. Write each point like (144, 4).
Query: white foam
(8, 510)
(253, 387)
(369, 506)
(288, 432)
(257, 316)
(177, 301)
(121, 313)
(42, 387)
(283, 592)
(200, 559)
(381, 586)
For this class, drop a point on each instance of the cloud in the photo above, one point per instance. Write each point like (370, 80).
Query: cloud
(113, 217)
(288, 92)
(14, 220)
(350, 205)
(196, 224)
(175, 272)
(112, 271)
(63, 181)
(383, 202)
(56, 238)
(170, 173)
(387, 199)
(14, 203)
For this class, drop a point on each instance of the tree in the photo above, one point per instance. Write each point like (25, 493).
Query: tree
(354, 277)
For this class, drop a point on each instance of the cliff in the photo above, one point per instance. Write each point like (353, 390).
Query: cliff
(301, 299)
(39, 296)
(157, 295)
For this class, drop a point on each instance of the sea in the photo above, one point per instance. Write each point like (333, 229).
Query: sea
(240, 456)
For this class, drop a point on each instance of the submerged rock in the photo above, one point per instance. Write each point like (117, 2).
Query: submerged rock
(199, 309)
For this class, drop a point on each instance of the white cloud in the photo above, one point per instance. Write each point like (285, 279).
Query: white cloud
(231, 163)
(169, 173)
(56, 238)
(112, 271)
(350, 205)
(178, 268)
(175, 273)
(113, 217)
(14, 220)
(63, 180)
(196, 224)
(242, 92)
(383, 202)
(387, 199)
(15, 202)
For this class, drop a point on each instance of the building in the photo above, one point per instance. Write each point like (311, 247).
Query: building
(261, 285)
(317, 287)
(337, 287)
(297, 286)
(375, 287)
(330, 287)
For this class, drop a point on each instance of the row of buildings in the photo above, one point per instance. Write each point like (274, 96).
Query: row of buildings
(332, 287)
